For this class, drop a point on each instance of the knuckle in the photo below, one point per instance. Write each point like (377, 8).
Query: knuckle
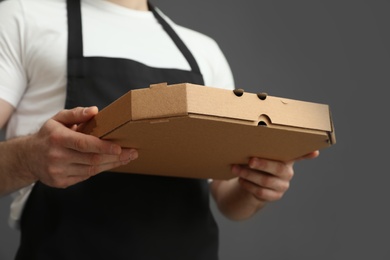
(62, 185)
(259, 193)
(284, 170)
(95, 159)
(281, 168)
(245, 173)
(278, 195)
(80, 144)
(266, 181)
(92, 170)
(285, 186)
(55, 174)
(52, 171)
(54, 138)
(268, 195)
(289, 172)
(54, 156)
(59, 183)
(74, 112)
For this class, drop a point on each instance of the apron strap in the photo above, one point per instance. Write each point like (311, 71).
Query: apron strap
(176, 39)
(75, 34)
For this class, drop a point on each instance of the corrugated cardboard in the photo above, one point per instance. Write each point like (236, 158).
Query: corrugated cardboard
(195, 131)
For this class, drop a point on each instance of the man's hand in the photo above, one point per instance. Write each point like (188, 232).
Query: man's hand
(267, 180)
(257, 183)
(59, 156)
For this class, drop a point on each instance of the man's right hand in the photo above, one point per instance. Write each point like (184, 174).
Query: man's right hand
(59, 156)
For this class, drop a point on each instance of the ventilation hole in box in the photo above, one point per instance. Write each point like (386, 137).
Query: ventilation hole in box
(262, 123)
(238, 92)
(262, 95)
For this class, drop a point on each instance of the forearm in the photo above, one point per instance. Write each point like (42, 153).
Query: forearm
(233, 201)
(13, 174)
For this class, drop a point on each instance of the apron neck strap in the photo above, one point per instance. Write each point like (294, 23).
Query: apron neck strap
(176, 39)
(75, 34)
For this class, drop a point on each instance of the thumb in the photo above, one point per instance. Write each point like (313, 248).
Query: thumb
(311, 155)
(76, 115)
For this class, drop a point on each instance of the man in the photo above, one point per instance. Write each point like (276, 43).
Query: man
(60, 62)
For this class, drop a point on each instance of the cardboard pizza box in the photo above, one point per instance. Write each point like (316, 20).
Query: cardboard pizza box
(195, 131)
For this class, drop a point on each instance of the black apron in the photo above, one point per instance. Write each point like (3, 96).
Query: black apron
(117, 215)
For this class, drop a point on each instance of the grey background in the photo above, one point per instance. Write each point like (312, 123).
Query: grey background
(333, 52)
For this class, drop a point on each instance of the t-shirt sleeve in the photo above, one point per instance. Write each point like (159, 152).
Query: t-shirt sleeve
(12, 74)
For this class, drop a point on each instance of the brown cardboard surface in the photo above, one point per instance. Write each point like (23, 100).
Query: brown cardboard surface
(195, 131)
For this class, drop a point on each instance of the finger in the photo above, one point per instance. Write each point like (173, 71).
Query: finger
(262, 179)
(276, 168)
(311, 155)
(91, 170)
(72, 180)
(81, 173)
(88, 143)
(260, 193)
(97, 158)
(65, 182)
(76, 115)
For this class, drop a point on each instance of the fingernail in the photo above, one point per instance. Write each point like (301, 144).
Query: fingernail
(86, 110)
(133, 155)
(128, 154)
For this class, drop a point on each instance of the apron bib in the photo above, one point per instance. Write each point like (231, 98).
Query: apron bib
(118, 215)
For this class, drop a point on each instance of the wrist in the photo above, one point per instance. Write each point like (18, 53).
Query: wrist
(14, 174)
(234, 201)
(25, 154)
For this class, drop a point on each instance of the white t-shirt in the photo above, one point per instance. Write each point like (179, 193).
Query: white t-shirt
(33, 53)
